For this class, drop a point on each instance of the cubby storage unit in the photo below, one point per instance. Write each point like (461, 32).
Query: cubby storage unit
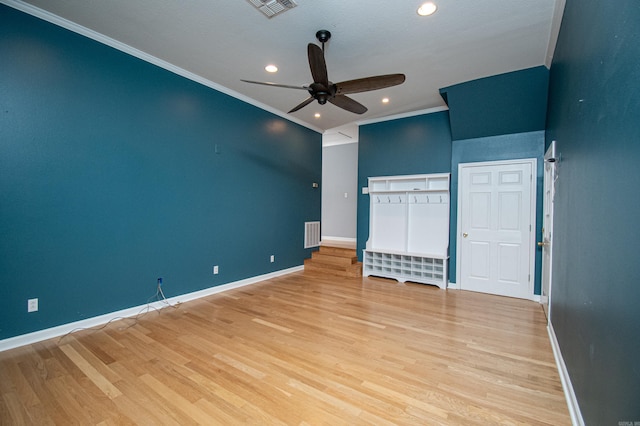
(409, 228)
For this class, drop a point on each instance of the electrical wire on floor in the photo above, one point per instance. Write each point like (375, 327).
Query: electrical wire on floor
(157, 297)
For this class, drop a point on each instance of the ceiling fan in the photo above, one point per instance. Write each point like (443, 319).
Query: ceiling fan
(325, 91)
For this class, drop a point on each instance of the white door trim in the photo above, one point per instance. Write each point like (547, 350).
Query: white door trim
(532, 232)
(547, 270)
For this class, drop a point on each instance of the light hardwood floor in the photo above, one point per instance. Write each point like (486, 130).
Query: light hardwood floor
(298, 350)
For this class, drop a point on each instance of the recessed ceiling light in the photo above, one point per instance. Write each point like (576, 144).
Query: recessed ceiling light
(385, 100)
(271, 68)
(316, 115)
(427, 9)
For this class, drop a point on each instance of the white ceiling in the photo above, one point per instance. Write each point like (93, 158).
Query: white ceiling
(218, 42)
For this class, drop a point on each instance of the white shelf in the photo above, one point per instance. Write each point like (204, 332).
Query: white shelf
(409, 183)
(409, 228)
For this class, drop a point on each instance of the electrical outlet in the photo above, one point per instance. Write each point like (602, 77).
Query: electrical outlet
(215, 270)
(273, 258)
(32, 305)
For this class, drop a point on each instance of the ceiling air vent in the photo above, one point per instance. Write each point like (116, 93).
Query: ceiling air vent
(273, 7)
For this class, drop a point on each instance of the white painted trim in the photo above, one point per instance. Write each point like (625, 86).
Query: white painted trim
(101, 38)
(532, 232)
(572, 401)
(338, 241)
(453, 286)
(61, 330)
(403, 115)
(556, 22)
(549, 154)
(325, 239)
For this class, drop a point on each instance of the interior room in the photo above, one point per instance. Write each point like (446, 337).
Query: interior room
(162, 196)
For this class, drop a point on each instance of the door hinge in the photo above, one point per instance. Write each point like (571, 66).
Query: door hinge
(529, 278)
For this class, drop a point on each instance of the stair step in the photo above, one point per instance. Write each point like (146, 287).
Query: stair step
(320, 257)
(338, 251)
(334, 261)
(353, 270)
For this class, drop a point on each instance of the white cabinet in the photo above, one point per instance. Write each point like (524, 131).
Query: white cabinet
(409, 228)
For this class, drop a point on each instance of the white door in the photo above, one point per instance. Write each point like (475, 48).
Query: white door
(496, 221)
(547, 226)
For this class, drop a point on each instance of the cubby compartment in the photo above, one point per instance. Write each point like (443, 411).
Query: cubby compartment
(404, 267)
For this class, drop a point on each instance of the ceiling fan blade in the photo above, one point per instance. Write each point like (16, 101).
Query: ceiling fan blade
(303, 104)
(317, 64)
(347, 103)
(268, 83)
(369, 83)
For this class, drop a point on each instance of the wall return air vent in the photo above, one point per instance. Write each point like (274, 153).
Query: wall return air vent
(273, 7)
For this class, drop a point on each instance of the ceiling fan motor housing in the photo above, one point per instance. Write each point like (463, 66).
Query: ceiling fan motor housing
(322, 93)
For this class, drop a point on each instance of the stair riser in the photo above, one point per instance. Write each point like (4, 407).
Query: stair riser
(335, 260)
(337, 251)
(336, 272)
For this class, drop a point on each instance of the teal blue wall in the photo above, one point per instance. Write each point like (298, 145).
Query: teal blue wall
(594, 116)
(415, 145)
(501, 117)
(503, 104)
(110, 178)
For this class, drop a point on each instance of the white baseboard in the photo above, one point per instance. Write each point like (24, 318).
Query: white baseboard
(572, 401)
(338, 241)
(61, 330)
(453, 286)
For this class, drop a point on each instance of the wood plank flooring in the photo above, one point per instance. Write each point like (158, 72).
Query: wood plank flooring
(298, 350)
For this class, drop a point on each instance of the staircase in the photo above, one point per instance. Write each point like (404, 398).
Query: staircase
(334, 261)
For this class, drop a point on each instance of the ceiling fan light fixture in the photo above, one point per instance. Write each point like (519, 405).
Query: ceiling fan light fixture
(271, 68)
(322, 97)
(427, 9)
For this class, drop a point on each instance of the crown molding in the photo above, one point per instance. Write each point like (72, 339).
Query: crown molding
(402, 115)
(125, 48)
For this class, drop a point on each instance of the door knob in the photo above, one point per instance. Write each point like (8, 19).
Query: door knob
(541, 244)
(465, 235)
